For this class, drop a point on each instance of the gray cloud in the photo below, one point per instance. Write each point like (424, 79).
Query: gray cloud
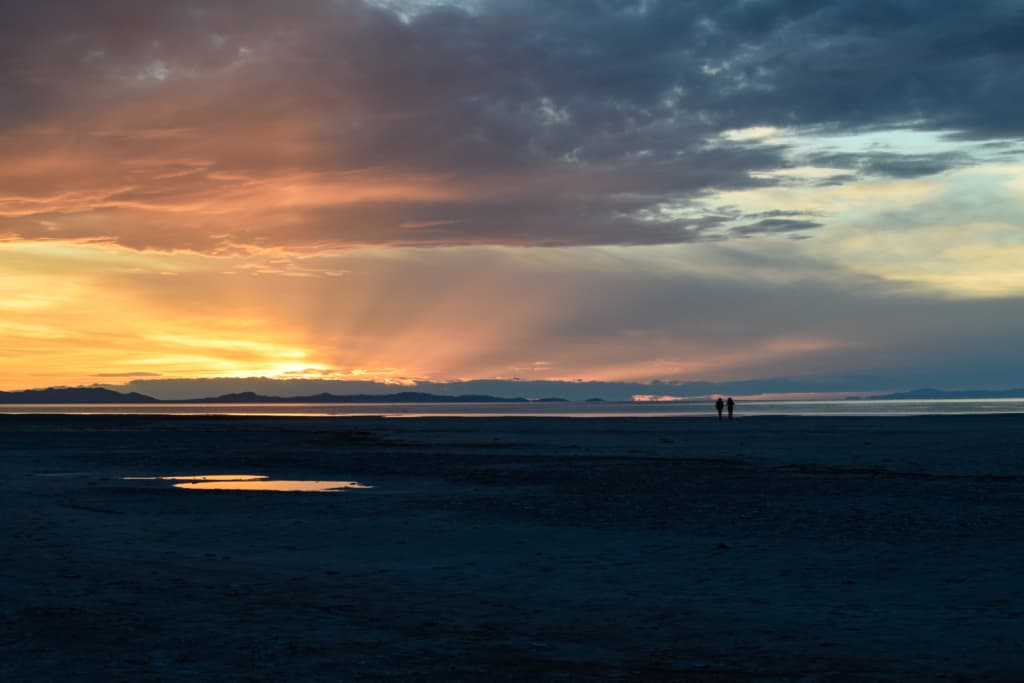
(207, 123)
(774, 226)
(893, 165)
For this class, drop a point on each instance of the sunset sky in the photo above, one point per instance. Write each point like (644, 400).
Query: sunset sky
(434, 190)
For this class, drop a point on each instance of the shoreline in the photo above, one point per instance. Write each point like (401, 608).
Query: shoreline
(556, 409)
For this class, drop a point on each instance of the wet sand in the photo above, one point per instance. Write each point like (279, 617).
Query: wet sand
(766, 549)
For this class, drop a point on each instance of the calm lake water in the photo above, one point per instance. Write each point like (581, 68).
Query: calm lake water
(554, 409)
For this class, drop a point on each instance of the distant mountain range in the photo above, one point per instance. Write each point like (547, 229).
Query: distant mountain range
(67, 395)
(942, 394)
(98, 395)
(401, 397)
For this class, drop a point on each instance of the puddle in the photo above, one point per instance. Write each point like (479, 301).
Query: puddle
(201, 477)
(252, 482)
(273, 485)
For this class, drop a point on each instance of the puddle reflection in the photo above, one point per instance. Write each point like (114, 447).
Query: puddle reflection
(253, 482)
(273, 485)
(201, 477)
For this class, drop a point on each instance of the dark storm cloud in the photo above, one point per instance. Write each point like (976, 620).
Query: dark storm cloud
(889, 164)
(774, 226)
(205, 123)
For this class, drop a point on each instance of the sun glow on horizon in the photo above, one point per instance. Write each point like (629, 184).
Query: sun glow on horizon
(78, 313)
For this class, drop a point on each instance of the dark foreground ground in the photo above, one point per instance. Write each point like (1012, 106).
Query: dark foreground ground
(768, 549)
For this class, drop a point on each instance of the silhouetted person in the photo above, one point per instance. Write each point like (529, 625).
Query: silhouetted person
(719, 404)
(729, 404)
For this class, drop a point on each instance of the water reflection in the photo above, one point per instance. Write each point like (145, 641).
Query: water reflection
(253, 482)
(201, 477)
(272, 485)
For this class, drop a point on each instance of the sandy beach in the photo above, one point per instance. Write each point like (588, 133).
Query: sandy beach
(510, 549)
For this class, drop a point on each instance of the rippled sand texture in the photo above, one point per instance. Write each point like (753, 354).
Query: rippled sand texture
(768, 549)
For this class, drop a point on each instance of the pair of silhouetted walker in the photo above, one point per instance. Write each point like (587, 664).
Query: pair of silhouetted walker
(719, 404)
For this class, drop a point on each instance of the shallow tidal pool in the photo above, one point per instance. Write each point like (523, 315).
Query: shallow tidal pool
(252, 482)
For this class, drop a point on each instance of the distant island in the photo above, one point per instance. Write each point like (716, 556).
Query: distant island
(73, 395)
(70, 395)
